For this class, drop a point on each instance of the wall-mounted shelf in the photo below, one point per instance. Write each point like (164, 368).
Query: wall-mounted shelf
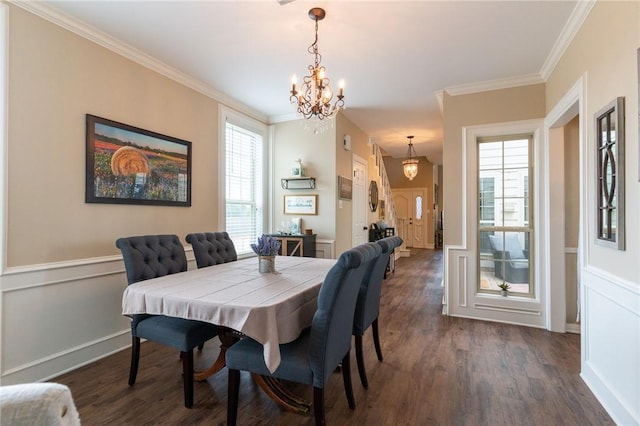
(298, 183)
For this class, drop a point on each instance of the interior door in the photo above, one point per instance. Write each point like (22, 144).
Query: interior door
(359, 202)
(419, 224)
(403, 210)
(411, 207)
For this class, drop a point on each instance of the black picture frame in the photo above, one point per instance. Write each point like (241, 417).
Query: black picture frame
(129, 165)
(345, 188)
(373, 196)
(610, 174)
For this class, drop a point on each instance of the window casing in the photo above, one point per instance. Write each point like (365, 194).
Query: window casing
(244, 182)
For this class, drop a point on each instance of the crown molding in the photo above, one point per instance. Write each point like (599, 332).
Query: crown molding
(440, 97)
(136, 55)
(577, 18)
(502, 83)
(574, 23)
(273, 119)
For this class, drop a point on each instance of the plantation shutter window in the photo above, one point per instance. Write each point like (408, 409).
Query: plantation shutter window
(244, 209)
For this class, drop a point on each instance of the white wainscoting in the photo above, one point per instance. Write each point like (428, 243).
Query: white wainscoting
(60, 316)
(611, 343)
(57, 317)
(325, 249)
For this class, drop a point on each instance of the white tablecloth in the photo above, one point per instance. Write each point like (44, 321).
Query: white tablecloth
(270, 308)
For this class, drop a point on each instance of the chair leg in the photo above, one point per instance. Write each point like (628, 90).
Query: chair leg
(318, 405)
(187, 377)
(346, 378)
(376, 338)
(232, 397)
(360, 362)
(135, 357)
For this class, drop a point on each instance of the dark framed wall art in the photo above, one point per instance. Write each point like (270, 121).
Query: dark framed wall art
(345, 188)
(610, 184)
(129, 165)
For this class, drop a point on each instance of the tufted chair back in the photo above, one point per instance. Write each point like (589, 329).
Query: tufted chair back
(331, 327)
(368, 306)
(212, 248)
(152, 256)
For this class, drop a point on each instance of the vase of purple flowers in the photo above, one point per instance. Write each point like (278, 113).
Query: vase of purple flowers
(266, 249)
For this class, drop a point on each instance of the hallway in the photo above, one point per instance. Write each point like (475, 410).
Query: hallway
(436, 371)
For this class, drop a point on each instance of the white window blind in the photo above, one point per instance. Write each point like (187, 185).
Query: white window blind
(243, 181)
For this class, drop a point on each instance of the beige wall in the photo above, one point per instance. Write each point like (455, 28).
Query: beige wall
(498, 106)
(441, 188)
(55, 78)
(603, 58)
(423, 180)
(397, 179)
(317, 152)
(606, 55)
(344, 167)
(324, 158)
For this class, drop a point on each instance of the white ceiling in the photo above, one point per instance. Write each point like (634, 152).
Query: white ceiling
(394, 55)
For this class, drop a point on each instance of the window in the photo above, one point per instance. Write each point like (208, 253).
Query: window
(486, 212)
(525, 188)
(419, 207)
(244, 183)
(503, 213)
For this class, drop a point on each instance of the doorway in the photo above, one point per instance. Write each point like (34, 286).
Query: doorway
(565, 154)
(359, 201)
(410, 210)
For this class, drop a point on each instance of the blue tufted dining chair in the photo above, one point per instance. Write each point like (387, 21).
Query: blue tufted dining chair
(315, 354)
(152, 256)
(368, 304)
(212, 248)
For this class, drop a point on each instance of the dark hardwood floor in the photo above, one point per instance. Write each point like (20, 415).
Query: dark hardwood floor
(437, 370)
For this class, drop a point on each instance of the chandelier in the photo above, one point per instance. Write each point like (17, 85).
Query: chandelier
(313, 98)
(410, 165)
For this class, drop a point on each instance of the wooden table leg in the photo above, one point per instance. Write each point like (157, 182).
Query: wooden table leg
(227, 338)
(272, 387)
(285, 399)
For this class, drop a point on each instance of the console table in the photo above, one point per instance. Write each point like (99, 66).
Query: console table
(297, 245)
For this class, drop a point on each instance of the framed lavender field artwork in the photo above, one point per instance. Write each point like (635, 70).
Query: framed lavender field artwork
(129, 165)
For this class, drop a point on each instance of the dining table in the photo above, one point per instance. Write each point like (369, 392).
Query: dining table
(271, 308)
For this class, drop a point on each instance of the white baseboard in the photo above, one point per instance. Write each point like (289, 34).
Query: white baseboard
(54, 365)
(572, 328)
(621, 414)
(404, 253)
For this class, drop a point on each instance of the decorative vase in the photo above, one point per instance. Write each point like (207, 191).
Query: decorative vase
(266, 264)
(503, 293)
(297, 170)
